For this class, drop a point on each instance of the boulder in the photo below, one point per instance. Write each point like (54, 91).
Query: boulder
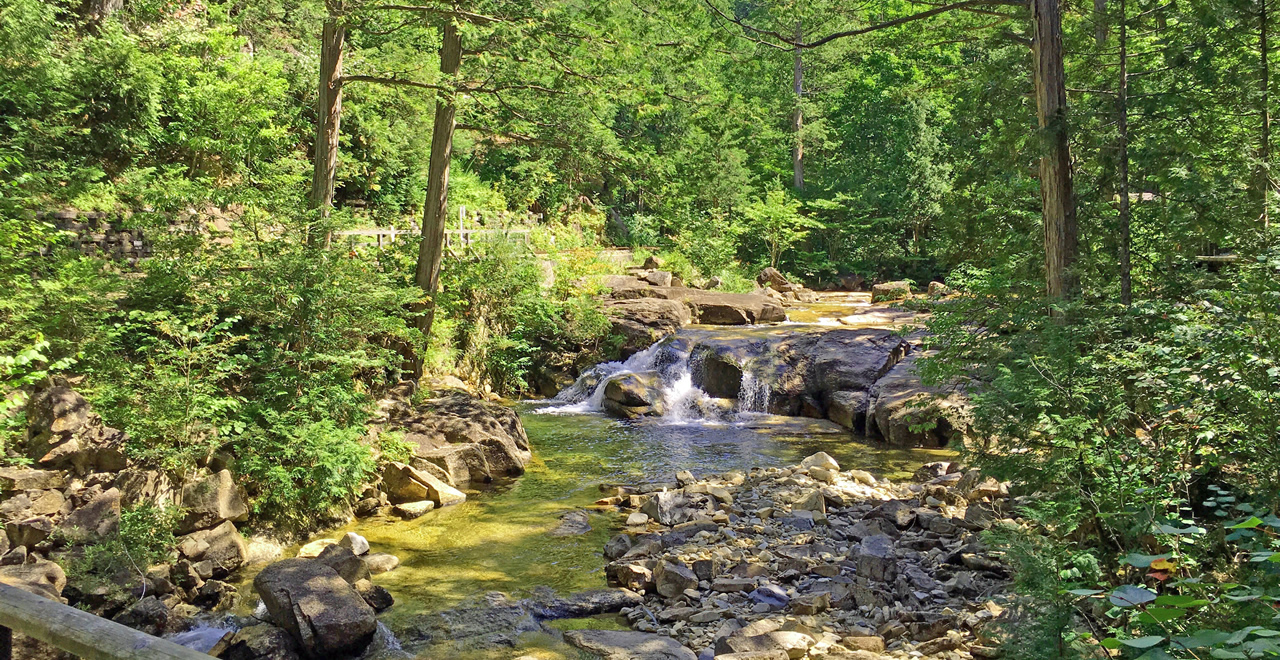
(458, 418)
(96, 519)
(358, 545)
(377, 597)
(210, 501)
(413, 510)
(849, 409)
(63, 433)
(938, 290)
(350, 567)
(906, 413)
(719, 376)
(889, 291)
(821, 459)
(262, 642)
(41, 577)
(222, 545)
(628, 645)
(406, 484)
(672, 579)
(853, 360)
(380, 562)
(29, 532)
(643, 321)
(323, 613)
(772, 277)
(150, 615)
(17, 478)
(876, 559)
(659, 278)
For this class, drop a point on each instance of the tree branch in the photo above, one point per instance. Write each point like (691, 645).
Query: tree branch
(472, 17)
(382, 80)
(795, 43)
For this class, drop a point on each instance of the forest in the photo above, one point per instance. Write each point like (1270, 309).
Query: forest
(323, 246)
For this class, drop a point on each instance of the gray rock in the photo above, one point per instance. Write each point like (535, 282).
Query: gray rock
(323, 612)
(573, 523)
(221, 545)
(380, 562)
(358, 545)
(672, 579)
(210, 501)
(628, 645)
(890, 291)
(877, 559)
(771, 595)
(97, 519)
(17, 478)
(262, 642)
(346, 563)
(29, 532)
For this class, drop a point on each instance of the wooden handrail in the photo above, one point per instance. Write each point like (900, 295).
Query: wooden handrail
(83, 634)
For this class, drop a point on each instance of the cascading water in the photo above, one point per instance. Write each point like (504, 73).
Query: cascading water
(674, 364)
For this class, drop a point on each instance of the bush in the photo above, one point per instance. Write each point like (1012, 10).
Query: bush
(144, 537)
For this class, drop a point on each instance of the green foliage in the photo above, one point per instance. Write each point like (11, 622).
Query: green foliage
(775, 221)
(506, 325)
(143, 537)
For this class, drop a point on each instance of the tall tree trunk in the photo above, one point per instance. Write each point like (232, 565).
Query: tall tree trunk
(797, 118)
(1122, 122)
(1100, 22)
(328, 115)
(1057, 197)
(1264, 151)
(431, 249)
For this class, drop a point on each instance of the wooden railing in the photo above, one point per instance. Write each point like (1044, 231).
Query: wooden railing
(80, 633)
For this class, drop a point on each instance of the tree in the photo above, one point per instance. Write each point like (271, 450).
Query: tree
(1057, 194)
(776, 220)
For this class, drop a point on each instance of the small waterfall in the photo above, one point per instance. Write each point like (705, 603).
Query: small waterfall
(754, 395)
(672, 360)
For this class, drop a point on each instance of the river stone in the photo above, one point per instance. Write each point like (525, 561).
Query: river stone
(672, 579)
(628, 645)
(901, 514)
(380, 562)
(634, 390)
(210, 501)
(325, 614)
(888, 291)
(771, 595)
(151, 616)
(877, 559)
(262, 642)
(619, 544)
(461, 419)
(572, 523)
(405, 484)
(667, 507)
(358, 545)
(346, 563)
(413, 510)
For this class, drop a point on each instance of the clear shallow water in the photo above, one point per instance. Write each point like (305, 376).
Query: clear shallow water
(498, 539)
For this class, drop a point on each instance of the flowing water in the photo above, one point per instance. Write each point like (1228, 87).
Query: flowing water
(498, 539)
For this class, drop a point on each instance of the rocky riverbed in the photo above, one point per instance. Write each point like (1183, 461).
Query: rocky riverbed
(812, 561)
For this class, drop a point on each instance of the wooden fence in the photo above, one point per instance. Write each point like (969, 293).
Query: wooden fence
(472, 226)
(77, 632)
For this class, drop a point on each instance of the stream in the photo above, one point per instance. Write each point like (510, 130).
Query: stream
(498, 540)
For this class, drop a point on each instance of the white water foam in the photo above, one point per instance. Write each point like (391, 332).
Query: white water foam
(684, 402)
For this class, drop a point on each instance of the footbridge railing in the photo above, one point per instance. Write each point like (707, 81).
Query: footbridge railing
(77, 632)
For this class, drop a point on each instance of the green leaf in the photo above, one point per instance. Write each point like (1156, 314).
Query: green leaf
(1201, 639)
(1224, 654)
(1129, 595)
(1084, 592)
(1143, 642)
(1161, 614)
(1142, 561)
(1248, 524)
(1111, 643)
(1180, 601)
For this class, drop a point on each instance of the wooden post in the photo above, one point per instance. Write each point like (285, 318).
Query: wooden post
(80, 633)
(6, 644)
